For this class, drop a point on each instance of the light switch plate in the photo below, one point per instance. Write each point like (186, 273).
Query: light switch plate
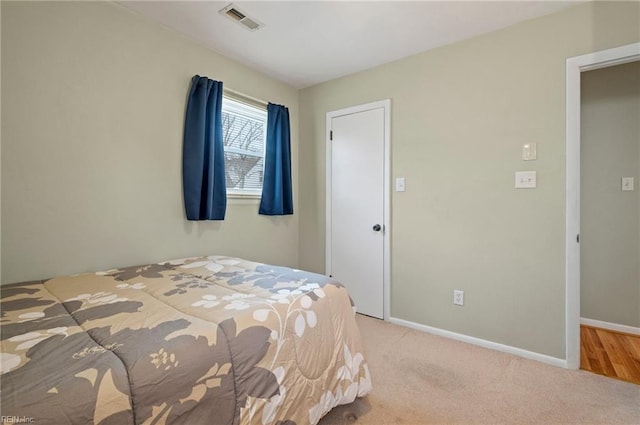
(529, 151)
(627, 184)
(526, 179)
(400, 184)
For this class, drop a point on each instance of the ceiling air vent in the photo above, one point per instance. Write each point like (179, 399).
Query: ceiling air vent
(232, 12)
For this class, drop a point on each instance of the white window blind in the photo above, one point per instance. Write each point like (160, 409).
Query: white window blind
(244, 128)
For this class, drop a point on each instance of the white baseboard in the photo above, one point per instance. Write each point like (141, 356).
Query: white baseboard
(553, 361)
(610, 326)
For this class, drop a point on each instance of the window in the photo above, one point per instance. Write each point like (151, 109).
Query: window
(244, 130)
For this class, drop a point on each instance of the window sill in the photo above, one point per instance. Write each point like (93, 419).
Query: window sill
(243, 198)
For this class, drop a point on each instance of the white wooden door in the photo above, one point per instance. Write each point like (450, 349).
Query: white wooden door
(357, 206)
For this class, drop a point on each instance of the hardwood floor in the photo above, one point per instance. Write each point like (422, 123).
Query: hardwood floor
(610, 353)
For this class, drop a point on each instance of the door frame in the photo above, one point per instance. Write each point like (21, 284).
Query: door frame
(386, 279)
(574, 67)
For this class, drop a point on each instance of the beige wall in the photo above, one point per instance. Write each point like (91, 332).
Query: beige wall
(93, 106)
(460, 115)
(609, 217)
(0, 146)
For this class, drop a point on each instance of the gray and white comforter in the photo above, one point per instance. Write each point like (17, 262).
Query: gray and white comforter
(208, 340)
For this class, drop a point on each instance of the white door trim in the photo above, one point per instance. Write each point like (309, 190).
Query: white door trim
(386, 105)
(575, 66)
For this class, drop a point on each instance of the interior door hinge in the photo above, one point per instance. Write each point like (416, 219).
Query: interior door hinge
(330, 134)
(578, 238)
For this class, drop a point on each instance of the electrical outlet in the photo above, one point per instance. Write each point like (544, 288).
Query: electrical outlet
(458, 297)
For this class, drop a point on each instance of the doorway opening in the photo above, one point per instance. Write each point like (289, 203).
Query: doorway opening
(574, 67)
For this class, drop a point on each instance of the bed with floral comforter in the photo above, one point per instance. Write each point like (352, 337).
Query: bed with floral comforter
(208, 340)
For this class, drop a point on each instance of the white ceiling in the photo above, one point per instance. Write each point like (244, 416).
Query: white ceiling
(308, 42)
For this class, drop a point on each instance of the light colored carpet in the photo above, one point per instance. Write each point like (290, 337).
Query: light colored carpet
(420, 378)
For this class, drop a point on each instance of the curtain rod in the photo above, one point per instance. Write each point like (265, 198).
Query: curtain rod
(245, 98)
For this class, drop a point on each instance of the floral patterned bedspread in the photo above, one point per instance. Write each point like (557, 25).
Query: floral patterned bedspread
(207, 340)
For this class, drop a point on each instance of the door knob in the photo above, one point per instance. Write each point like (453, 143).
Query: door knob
(377, 228)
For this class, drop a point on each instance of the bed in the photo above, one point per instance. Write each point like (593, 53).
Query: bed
(206, 340)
